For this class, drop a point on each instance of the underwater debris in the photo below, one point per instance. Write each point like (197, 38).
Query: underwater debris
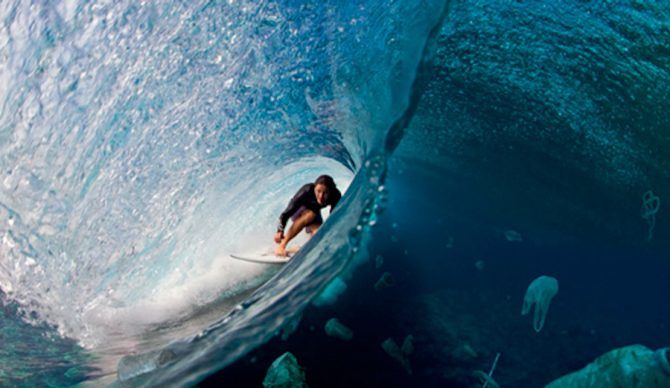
(650, 206)
(285, 372)
(400, 354)
(408, 345)
(513, 236)
(450, 243)
(379, 261)
(134, 365)
(479, 264)
(393, 350)
(335, 328)
(385, 281)
(487, 379)
(539, 294)
(330, 294)
(290, 327)
(465, 352)
(629, 366)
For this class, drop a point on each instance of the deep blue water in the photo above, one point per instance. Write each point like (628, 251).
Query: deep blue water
(140, 144)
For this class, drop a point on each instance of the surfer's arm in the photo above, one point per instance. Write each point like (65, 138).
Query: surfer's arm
(299, 199)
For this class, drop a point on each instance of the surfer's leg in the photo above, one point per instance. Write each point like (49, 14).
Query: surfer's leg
(312, 227)
(307, 217)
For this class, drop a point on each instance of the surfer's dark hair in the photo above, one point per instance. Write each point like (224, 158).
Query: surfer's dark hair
(326, 180)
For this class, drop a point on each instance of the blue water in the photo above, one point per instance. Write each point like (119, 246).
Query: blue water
(480, 145)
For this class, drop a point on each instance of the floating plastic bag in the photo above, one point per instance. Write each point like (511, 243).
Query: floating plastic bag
(539, 294)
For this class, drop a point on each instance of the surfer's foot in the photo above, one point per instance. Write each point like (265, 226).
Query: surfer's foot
(281, 251)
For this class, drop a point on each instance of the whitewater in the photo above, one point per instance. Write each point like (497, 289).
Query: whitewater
(479, 146)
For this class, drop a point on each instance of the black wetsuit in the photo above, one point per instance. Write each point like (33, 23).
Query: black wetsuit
(305, 198)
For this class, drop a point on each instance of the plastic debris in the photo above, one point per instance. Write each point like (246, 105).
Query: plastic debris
(285, 372)
(408, 345)
(385, 281)
(513, 236)
(630, 366)
(650, 206)
(379, 261)
(335, 328)
(290, 327)
(330, 294)
(487, 379)
(539, 294)
(465, 352)
(400, 354)
(134, 365)
(450, 243)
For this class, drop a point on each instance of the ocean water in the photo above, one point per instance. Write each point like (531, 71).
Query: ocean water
(479, 144)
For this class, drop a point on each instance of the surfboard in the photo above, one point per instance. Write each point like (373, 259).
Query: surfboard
(265, 258)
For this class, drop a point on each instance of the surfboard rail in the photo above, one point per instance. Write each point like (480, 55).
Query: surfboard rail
(265, 258)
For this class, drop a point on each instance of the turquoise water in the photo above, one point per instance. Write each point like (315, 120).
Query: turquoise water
(480, 146)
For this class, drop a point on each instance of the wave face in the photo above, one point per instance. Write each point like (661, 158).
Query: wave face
(480, 147)
(141, 144)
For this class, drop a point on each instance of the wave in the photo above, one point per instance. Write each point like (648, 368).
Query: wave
(140, 144)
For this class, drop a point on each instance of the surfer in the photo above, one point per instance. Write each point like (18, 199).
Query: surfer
(305, 210)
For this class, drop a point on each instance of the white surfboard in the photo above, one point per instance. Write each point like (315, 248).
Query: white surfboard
(265, 258)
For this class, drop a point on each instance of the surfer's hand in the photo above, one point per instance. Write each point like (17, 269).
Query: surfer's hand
(278, 237)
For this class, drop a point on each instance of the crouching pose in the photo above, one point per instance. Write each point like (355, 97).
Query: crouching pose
(304, 210)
